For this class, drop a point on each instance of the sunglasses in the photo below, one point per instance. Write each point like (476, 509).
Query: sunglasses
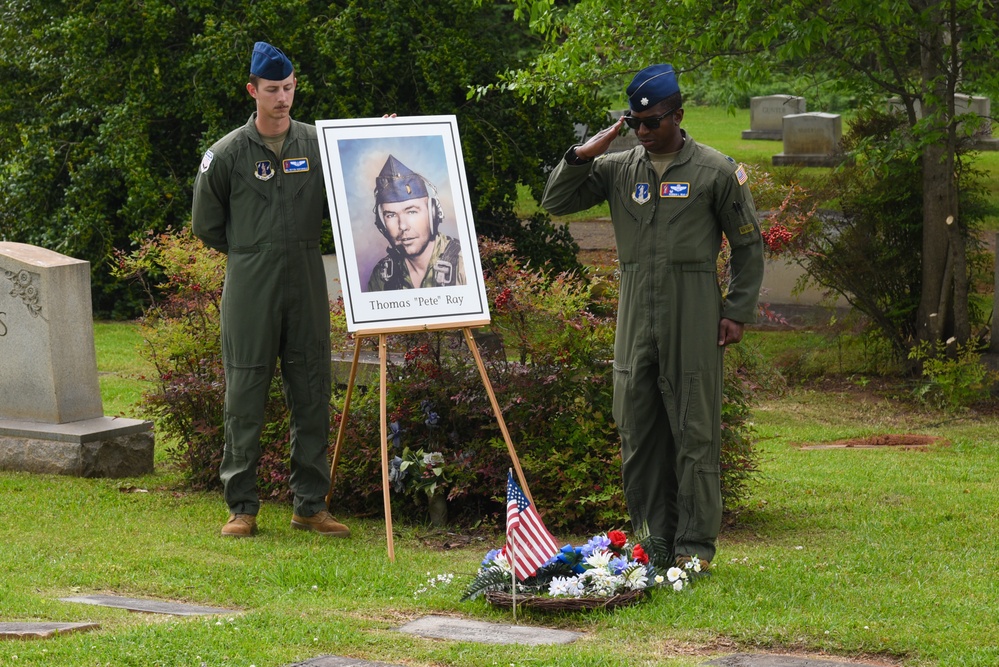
(651, 123)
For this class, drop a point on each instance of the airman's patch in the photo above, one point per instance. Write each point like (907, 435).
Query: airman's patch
(681, 190)
(746, 229)
(295, 165)
(206, 160)
(642, 193)
(741, 175)
(264, 171)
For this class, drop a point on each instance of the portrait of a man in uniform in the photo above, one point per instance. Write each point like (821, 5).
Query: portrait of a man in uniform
(409, 215)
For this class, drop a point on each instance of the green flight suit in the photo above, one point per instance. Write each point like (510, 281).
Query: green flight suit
(667, 362)
(267, 214)
(447, 268)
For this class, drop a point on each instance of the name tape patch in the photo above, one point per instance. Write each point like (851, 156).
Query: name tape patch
(295, 165)
(674, 190)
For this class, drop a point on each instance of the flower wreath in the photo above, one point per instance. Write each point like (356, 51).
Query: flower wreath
(608, 565)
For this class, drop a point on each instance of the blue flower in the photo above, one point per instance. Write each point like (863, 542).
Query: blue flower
(596, 543)
(490, 557)
(619, 565)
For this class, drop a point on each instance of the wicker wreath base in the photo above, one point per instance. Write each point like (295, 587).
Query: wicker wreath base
(545, 603)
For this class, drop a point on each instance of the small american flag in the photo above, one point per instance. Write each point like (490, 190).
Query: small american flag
(532, 544)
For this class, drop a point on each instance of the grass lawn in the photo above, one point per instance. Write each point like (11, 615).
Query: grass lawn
(881, 554)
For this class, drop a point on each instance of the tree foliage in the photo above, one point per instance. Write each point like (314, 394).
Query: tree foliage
(920, 51)
(108, 105)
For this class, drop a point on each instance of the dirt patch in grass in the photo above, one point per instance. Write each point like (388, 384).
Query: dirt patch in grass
(902, 440)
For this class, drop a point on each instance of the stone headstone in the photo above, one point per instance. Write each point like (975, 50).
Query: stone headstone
(811, 140)
(48, 366)
(51, 414)
(766, 115)
(445, 627)
(976, 104)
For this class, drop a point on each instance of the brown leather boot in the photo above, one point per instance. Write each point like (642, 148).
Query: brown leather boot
(321, 522)
(240, 525)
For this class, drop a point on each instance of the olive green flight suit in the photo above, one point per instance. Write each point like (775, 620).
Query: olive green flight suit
(447, 268)
(267, 214)
(667, 362)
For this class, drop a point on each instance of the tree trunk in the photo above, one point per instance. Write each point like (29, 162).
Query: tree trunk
(943, 304)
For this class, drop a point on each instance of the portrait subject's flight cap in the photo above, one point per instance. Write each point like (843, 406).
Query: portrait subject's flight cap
(651, 86)
(396, 182)
(268, 62)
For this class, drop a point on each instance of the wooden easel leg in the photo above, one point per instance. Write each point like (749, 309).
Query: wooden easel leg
(496, 410)
(383, 414)
(343, 418)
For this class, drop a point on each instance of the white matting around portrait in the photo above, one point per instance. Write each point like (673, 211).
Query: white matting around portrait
(354, 151)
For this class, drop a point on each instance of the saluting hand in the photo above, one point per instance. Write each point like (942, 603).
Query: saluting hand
(599, 142)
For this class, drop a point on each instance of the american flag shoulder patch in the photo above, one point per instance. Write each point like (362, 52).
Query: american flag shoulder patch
(741, 175)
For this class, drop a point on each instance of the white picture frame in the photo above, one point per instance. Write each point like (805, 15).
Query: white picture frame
(354, 152)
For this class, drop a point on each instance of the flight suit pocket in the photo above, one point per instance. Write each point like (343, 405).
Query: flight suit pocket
(619, 407)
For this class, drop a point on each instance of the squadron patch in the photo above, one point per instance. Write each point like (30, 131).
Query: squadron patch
(295, 165)
(264, 171)
(741, 176)
(681, 190)
(206, 160)
(642, 193)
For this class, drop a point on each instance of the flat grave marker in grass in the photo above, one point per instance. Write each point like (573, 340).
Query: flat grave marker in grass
(28, 630)
(443, 627)
(340, 661)
(148, 606)
(767, 660)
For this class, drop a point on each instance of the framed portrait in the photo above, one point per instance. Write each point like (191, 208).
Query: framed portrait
(402, 221)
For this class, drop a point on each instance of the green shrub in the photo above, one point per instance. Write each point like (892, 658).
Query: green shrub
(552, 378)
(953, 379)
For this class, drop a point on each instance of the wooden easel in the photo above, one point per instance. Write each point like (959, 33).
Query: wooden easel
(383, 414)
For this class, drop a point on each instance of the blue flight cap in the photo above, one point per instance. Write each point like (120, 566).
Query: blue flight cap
(268, 62)
(396, 182)
(651, 86)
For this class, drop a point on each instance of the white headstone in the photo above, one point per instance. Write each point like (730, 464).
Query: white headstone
(48, 365)
(811, 139)
(51, 414)
(766, 115)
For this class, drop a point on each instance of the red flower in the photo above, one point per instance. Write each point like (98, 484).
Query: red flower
(638, 554)
(617, 538)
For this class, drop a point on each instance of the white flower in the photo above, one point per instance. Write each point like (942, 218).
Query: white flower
(599, 559)
(674, 574)
(678, 585)
(636, 578)
(660, 579)
(565, 587)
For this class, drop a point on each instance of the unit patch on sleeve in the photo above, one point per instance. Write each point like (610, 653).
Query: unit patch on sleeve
(296, 164)
(674, 190)
(741, 175)
(206, 161)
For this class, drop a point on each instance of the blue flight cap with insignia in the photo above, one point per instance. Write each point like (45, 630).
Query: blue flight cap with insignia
(651, 86)
(268, 62)
(396, 182)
